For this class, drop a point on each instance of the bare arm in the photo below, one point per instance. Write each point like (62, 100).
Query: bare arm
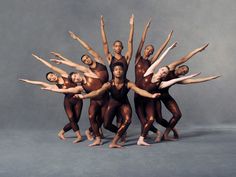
(157, 62)
(140, 47)
(198, 80)
(165, 84)
(129, 53)
(58, 55)
(76, 89)
(42, 84)
(54, 68)
(182, 60)
(96, 56)
(98, 92)
(141, 91)
(163, 46)
(104, 41)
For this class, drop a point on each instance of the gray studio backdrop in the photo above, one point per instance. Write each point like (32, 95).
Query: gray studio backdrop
(32, 26)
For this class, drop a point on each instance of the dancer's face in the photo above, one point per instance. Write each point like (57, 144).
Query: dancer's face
(162, 72)
(182, 70)
(148, 51)
(52, 77)
(87, 60)
(76, 78)
(118, 71)
(117, 47)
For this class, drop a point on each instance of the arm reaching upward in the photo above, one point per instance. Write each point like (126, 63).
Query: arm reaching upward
(104, 41)
(165, 84)
(96, 56)
(163, 46)
(77, 89)
(129, 53)
(140, 47)
(42, 84)
(54, 68)
(57, 55)
(198, 80)
(157, 62)
(141, 91)
(182, 60)
(95, 93)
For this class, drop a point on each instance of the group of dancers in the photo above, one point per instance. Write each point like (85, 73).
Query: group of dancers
(108, 98)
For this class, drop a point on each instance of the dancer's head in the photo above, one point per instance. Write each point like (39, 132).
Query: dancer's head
(86, 59)
(148, 51)
(75, 77)
(118, 70)
(181, 70)
(162, 72)
(51, 77)
(117, 46)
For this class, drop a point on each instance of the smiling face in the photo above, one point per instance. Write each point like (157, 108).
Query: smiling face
(148, 51)
(117, 47)
(51, 77)
(76, 78)
(86, 59)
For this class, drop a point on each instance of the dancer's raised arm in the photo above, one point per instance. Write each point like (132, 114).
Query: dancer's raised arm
(96, 56)
(104, 41)
(182, 60)
(54, 68)
(141, 91)
(198, 80)
(129, 52)
(165, 84)
(140, 47)
(76, 89)
(42, 84)
(157, 62)
(163, 46)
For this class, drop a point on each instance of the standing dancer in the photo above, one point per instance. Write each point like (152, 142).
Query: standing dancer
(142, 63)
(118, 88)
(117, 51)
(73, 107)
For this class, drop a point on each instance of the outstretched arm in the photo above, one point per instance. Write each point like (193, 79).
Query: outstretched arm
(96, 56)
(140, 47)
(163, 46)
(182, 60)
(95, 93)
(165, 84)
(157, 62)
(141, 91)
(104, 41)
(42, 84)
(198, 80)
(54, 68)
(76, 89)
(129, 53)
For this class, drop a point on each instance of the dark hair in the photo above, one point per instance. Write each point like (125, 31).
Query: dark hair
(117, 64)
(48, 74)
(167, 67)
(119, 42)
(70, 76)
(185, 67)
(150, 45)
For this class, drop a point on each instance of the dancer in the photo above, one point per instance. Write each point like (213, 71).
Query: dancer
(118, 88)
(72, 106)
(142, 63)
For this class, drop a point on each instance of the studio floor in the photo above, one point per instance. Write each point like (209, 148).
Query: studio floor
(200, 152)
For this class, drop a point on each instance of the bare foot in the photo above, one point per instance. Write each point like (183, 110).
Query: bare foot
(77, 140)
(114, 145)
(168, 138)
(61, 135)
(141, 142)
(159, 136)
(176, 133)
(97, 142)
(88, 135)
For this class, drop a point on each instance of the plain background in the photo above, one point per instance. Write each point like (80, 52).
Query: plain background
(30, 26)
